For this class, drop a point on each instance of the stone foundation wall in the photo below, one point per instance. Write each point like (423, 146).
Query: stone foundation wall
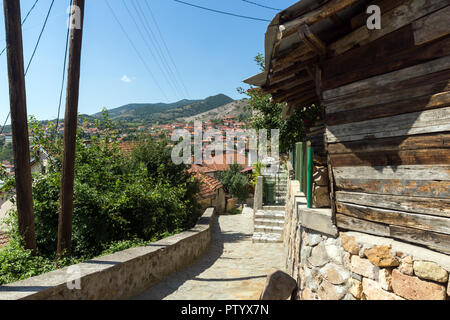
(120, 275)
(332, 265)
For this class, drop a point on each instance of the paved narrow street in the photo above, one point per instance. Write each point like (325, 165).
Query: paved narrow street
(233, 268)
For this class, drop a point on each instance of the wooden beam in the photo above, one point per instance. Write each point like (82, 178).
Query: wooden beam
(428, 206)
(295, 91)
(19, 123)
(311, 40)
(70, 132)
(395, 217)
(310, 18)
(295, 80)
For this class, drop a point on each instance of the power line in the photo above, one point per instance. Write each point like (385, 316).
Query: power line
(40, 35)
(23, 21)
(157, 46)
(153, 48)
(260, 5)
(135, 49)
(64, 74)
(167, 49)
(34, 51)
(222, 12)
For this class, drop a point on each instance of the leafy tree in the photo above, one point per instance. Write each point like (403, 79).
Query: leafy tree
(234, 182)
(268, 115)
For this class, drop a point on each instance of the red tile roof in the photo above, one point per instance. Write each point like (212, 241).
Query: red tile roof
(127, 146)
(208, 185)
(219, 163)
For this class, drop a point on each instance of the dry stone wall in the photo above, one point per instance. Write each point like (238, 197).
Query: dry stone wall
(358, 266)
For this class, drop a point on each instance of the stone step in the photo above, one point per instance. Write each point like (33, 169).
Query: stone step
(269, 222)
(273, 215)
(259, 237)
(273, 208)
(268, 229)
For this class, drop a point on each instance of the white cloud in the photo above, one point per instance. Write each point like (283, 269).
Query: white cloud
(127, 79)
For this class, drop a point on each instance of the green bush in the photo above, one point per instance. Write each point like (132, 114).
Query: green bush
(120, 201)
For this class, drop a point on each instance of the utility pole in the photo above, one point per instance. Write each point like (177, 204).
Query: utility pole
(19, 122)
(70, 130)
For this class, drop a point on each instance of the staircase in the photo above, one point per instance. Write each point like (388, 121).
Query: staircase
(281, 181)
(269, 225)
(269, 222)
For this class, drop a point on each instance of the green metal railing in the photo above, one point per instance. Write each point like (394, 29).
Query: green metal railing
(302, 157)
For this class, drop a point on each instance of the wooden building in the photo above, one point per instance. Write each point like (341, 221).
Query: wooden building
(386, 96)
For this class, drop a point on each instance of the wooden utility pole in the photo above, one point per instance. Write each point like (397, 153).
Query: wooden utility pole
(19, 122)
(70, 130)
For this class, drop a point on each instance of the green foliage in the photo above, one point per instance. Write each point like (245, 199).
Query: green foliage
(120, 200)
(257, 171)
(268, 115)
(6, 152)
(235, 182)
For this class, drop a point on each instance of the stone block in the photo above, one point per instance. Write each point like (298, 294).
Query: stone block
(313, 238)
(319, 256)
(318, 219)
(372, 290)
(413, 288)
(279, 286)
(355, 288)
(308, 295)
(430, 271)
(385, 279)
(364, 268)
(349, 244)
(335, 274)
(381, 256)
(328, 291)
(406, 266)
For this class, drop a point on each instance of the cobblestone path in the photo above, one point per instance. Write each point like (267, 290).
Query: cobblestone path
(233, 268)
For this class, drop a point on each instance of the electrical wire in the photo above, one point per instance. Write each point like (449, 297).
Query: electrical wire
(135, 48)
(158, 49)
(64, 75)
(40, 36)
(167, 50)
(23, 21)
(153, 49)
(34, 51)
(222, 12)
(260, 5)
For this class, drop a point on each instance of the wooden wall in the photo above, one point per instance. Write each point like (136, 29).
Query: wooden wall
(387, 100)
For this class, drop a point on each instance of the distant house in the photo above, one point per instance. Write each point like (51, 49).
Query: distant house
(211, 192)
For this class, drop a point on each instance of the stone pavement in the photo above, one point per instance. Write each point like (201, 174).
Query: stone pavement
(233, 268)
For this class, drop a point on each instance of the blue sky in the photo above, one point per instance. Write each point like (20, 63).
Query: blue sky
(213, 53)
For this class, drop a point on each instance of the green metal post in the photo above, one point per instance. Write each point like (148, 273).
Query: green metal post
(310, 175)
(304, 182)
(298, 163)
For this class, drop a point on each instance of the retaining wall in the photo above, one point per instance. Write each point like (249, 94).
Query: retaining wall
(120, 275)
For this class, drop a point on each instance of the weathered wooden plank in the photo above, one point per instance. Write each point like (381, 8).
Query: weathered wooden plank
(431, 27)
(433, 240)
(405, 187)
(314, 16)
(419, 172)
(428, 141)
(436, 120)
(385, 158)
(389, 78)
(394, 217)
(407, 90)
(427, 206)
(427, 102)
(385, 6)
(351, 223)
(372, 53)
(391, 21)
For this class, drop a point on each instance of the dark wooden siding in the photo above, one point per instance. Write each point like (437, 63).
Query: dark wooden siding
(387, 104)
